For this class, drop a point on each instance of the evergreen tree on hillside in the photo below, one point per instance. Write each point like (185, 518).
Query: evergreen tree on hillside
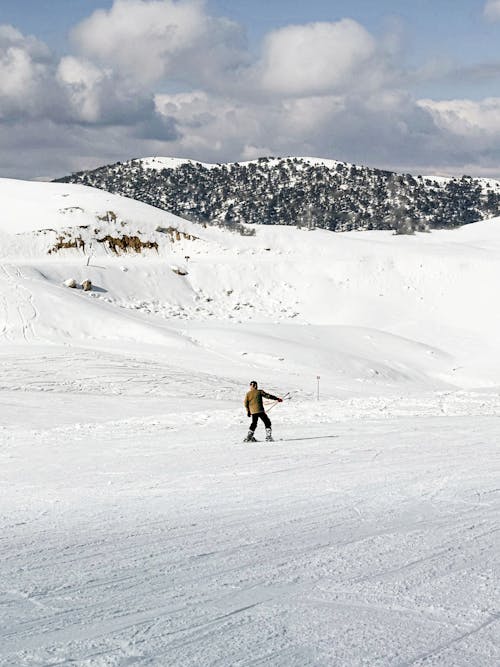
(269, 191)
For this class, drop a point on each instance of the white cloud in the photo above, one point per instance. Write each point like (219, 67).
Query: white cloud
(251, 152)
(149, 40)
(371, 129)
(74, 90)
(95, 95)
(317, 58)
(82, 81)
(69, 112)
(492, 10)
(209, 127)
(35, 148)
(306, 116)
(25, 74)
(467, 118)
(323, 89)
(216, 129)
(10, 37)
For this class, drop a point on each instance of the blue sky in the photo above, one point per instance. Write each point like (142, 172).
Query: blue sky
(402, 84)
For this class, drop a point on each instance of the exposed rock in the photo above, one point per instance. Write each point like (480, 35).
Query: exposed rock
(179, 270)
(121, 244)
(66, 241)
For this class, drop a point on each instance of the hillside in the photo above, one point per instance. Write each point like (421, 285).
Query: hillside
(307, 192)
(397, 292)
(137, 526)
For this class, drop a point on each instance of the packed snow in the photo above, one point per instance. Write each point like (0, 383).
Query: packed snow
(136, 526)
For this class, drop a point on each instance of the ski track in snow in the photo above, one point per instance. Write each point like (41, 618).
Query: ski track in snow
(161, 539)
(25, 311)
(135, 526)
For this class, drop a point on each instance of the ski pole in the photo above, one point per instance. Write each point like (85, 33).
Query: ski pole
(276, 402)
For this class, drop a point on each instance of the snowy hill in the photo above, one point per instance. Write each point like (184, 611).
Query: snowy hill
(299, 191)
(139, 529)
(389, 308)
(386, 309)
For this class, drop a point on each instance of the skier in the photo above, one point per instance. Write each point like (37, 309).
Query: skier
(255, 409)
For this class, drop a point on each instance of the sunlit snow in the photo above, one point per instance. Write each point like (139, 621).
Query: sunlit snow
(138, 528)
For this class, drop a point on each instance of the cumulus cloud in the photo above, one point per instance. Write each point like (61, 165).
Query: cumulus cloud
(83, 82)
(371, 129)
(492, 10)
(95, 95)
(69, 111)
(478, 119)
(321, 89)
(149, 40)
(73, 90)
(316, 58)
(211, 127)
(26, 73)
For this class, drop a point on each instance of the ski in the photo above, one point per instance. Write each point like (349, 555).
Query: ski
(325, 437)
(314, 437)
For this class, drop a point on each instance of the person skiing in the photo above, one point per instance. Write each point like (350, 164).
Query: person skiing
(255, 409)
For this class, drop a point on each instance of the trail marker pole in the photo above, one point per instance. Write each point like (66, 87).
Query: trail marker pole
(318, 378)
(89, 257)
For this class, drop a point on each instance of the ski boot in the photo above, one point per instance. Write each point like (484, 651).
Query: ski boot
(269, 435)
(250, 437)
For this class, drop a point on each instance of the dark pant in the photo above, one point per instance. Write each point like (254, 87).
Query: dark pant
(255, 418)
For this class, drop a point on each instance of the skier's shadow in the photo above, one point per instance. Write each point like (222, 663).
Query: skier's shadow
(314, 437)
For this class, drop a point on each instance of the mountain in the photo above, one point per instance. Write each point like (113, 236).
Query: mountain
(304, 192)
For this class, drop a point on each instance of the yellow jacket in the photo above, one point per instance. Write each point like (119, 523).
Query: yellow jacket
(253, 400)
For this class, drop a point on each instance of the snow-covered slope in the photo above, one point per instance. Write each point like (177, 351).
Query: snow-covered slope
(379, 308)
(29, 206)
(138, 529)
